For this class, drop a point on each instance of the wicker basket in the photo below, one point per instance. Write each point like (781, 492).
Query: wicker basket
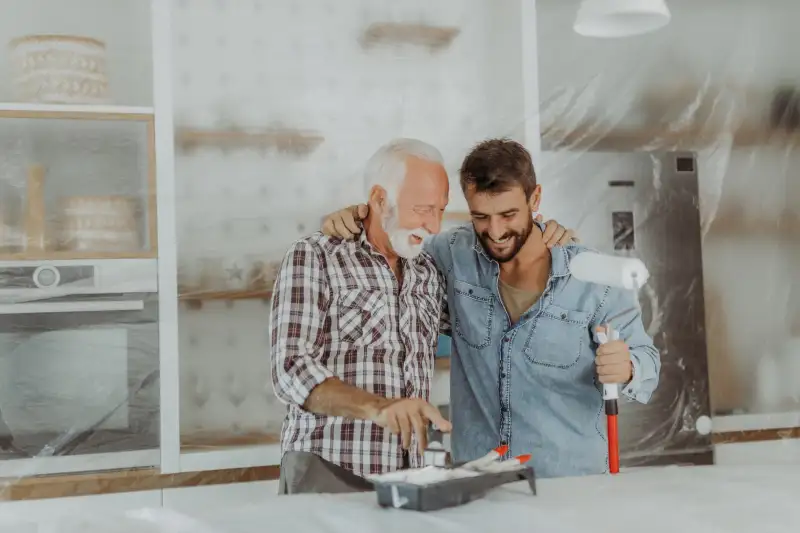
(64, 69)
(99, 224)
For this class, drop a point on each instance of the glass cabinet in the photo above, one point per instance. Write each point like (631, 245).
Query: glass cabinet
(79, 358)
(79, 284)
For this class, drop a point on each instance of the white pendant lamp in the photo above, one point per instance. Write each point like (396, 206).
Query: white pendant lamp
(620, 18)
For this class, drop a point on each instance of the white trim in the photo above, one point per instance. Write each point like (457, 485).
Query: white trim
(71, 307)
(167, 254)
(530, 79)
(68, 464)
(69, 108)
(240, 457)
(756, 421)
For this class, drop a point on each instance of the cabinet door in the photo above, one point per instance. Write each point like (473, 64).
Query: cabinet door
(76, 184)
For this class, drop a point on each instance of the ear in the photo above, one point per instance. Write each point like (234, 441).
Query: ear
(377, 200)
(536, 198)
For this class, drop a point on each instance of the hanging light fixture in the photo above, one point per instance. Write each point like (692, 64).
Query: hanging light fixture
(620, 18)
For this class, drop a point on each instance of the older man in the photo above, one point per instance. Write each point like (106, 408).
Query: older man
(355, 323)
(527, 367)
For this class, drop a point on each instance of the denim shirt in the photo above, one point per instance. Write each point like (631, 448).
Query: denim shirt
(532, 385)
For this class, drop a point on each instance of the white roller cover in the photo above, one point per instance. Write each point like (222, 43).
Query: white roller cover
(622, 272)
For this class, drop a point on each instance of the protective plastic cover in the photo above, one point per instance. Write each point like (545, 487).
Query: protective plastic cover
(679, 147)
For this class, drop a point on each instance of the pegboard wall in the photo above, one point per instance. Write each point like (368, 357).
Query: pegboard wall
(254, 64)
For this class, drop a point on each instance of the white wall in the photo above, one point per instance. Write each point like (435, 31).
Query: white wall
(252, 64)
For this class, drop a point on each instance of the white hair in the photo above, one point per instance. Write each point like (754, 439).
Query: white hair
(387, 166)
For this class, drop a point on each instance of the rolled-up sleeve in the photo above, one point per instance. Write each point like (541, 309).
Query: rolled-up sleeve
(300, 303)
(644, 355)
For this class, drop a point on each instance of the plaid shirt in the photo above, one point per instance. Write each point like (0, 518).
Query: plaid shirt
(338, 311)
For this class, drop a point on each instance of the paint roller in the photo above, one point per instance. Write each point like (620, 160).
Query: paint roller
(624, 273)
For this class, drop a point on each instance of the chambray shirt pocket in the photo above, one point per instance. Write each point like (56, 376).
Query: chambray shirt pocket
(558, 338)
(474, 314)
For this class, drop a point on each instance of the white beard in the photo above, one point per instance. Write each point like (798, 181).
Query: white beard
(400, 238)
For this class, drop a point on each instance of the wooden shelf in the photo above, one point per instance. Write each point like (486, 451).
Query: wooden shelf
(76, 112)
(457, 216)
(288, 140)
(442, 363)
(194, 300)
(433, 37)
(127, 480)
(756, 435)
(77, 256)
(214, 440)
(598, 138)
(730, 224)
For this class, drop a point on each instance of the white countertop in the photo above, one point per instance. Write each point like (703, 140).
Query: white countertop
(659, 500)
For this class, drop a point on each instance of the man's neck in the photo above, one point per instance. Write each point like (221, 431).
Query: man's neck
(530, 269)
(379, 240)
(532, 252)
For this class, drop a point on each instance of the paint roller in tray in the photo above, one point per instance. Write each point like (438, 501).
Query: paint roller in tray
(624, 273)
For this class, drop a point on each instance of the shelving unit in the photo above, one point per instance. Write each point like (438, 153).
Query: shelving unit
(94, 167)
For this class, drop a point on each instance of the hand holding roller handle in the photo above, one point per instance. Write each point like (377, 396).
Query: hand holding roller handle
(610, 396)
(610, 390)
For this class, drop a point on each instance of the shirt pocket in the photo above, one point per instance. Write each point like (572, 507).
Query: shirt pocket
(363, 317)
(558, 337)
(474, 309)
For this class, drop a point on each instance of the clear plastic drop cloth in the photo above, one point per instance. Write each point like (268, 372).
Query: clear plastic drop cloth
(680, 147)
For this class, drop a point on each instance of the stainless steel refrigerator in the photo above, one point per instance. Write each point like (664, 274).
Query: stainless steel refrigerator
(646, 205)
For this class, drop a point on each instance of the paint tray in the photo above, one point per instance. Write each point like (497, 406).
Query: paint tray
(448, 493)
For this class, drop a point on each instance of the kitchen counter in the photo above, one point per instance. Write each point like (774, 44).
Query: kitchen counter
(657, 500)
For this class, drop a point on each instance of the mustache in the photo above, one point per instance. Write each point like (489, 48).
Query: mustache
(506, 235)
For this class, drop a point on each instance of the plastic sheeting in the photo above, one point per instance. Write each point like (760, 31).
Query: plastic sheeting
(717, 86)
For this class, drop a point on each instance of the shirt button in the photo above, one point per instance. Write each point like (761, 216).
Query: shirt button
(503, 443)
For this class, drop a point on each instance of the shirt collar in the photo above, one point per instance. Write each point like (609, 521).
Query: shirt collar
(559, 266)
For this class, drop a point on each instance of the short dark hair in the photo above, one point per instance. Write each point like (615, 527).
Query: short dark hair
(498, 165)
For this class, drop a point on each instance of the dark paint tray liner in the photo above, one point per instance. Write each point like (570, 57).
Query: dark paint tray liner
(449, 493)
